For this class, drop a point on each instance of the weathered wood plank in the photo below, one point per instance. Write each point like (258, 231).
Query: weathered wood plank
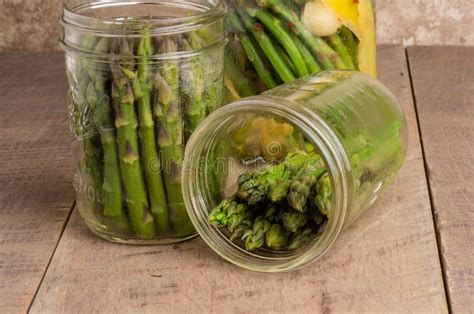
(36, 194)
(388, 261)
(443, 80)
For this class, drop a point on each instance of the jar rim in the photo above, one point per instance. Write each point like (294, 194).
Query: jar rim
(73, 17)
(317, 131)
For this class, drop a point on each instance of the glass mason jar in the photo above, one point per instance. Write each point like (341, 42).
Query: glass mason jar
(350, 120)
(142, 76)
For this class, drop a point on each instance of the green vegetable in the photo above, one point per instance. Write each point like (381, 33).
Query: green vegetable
(111, 188)
(327, 57)
(276, 238)
(301, 238)
(274, 26)
(337, 44)
(192, 82)
(255, 237)
(252, 52)
(267, 45)
(143, 86)
(133, 115)
(260, 221)
(230, 213)
(351, 42)
(236, 83)
(292, 221)
(271, 37)
(170, 134)
(300, 188)
(324, 194)
(309, 59)
(126, 123)
(255, 186)
(85, 124)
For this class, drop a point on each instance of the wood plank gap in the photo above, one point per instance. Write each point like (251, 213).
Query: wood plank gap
(430, 191)
(66, 221)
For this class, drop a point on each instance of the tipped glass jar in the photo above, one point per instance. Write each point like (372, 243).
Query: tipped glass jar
(270, 181)
(142, 76)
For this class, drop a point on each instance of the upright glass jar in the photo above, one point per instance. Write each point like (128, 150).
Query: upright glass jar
(142, 76)
(349, 119)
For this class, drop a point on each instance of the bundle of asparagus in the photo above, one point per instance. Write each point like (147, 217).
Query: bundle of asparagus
(276, 41)
(285, 206)
(133, 114)
(281, 207)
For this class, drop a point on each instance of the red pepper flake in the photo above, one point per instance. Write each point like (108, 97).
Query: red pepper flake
(291, 25)
(356, 1)
(258, 26)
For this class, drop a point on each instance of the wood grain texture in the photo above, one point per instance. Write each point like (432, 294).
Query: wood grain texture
(443, 80)
(36, 194)
(387, 261)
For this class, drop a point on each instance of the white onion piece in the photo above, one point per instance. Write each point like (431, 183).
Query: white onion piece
(320, 20)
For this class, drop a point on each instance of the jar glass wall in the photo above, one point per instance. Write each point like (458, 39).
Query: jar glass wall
(349, 120)
(142, 76)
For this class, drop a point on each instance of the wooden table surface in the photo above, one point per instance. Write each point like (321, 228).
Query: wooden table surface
(412, 252)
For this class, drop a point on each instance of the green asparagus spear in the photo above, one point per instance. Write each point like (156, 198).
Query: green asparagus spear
(192, 91)
(300, 188)
(295, 5)
(276, 226)
(85, 127)
(311, 62)
(284, 56)
(273, 25)
(251, 51)
(301, 238)
(292, 221)
(213, 98)
(255, 237)
(142, 88)
(337, 44)
(324, 194)
(276, 238)
(352, 45)
(91, 164)
(170, 135)
(254, 187)
(267, 45)
(272, 214)
(126, 124)
(112, 184)
(327, 57)
(230, 213)
(235, 81)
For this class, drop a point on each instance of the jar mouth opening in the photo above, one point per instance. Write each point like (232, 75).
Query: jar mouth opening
(108, 18)
(199, 205)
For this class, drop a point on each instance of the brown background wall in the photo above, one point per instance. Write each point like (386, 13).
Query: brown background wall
(32, 24)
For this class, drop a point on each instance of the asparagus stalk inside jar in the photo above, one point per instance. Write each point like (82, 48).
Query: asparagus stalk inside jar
(143, 76)
(303, 161)
(277, 41)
